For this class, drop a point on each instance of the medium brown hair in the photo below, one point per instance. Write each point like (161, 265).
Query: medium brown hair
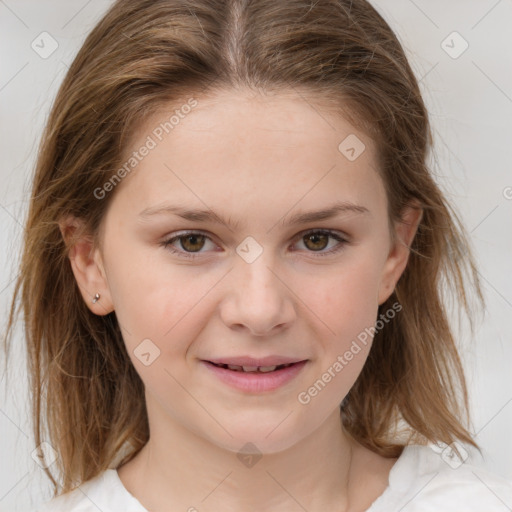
(87, 398)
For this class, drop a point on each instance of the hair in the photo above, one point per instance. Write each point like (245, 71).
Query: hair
(87, 399)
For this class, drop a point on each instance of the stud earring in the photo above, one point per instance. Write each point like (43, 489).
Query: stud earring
(96, 298)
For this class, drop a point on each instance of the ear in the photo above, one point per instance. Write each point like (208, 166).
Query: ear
(398, 256)
(87, 265)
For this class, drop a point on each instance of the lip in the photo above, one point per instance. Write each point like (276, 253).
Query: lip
(256, 382)
(254, 361)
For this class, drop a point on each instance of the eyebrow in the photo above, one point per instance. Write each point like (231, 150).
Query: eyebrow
(199, 215)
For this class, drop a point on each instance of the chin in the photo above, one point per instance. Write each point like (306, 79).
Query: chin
(259, 437)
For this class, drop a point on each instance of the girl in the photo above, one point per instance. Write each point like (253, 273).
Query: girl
(234, 271)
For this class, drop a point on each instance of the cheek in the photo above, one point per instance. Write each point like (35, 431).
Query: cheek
(346, 300)
(347, 304)
(157, 301)
(161, 315)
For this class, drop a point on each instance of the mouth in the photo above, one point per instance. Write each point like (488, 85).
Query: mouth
(253, 369)
(255, 378)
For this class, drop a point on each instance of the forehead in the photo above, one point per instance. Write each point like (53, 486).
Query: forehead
(271, 149)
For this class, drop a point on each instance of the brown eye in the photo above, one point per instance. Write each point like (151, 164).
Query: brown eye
(316, 241)
(192, 243)
(321, 242)
(188, 244)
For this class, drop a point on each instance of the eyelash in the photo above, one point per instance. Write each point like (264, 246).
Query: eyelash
(191, 255)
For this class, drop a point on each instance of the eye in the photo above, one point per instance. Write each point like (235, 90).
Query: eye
(318, 239)
(191, 242)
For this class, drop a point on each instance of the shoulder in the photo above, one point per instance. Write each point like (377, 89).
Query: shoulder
(104, 492)
(434, 477)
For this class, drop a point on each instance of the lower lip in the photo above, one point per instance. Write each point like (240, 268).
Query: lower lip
(256, 382)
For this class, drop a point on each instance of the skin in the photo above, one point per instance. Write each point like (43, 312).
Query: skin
(257, 161)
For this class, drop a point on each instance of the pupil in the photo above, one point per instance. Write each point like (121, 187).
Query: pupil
(314, 238)
(185, 241)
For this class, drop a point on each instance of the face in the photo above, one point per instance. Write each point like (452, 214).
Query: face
(259, 279)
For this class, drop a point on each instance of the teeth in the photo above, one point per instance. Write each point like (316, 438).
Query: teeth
(266, 368)
(263, 369)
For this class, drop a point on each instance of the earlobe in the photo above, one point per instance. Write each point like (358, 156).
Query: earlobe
(87, 266)
(398, 255)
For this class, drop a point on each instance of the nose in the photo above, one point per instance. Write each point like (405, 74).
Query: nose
(258, 298)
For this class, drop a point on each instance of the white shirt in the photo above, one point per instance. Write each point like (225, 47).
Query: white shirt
(423, 479)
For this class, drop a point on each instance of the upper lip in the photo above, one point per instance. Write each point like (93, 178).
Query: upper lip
(255, 361)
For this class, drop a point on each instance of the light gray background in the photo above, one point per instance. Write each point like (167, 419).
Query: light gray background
(470, 100)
